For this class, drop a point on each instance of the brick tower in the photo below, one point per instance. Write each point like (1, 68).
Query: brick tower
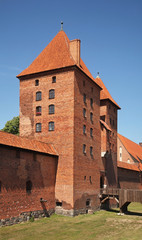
(60, 104)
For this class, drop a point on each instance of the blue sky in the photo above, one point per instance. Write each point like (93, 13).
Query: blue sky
(111, 43)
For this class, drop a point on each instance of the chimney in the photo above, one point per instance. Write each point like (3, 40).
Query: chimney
(75, 50)
(140, 144)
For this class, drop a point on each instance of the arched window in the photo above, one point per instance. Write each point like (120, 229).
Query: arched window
(38, 127)
(28, 186)
(51, 93)
(38, 96)
(38, 110)
(51, 109)
(51, 126)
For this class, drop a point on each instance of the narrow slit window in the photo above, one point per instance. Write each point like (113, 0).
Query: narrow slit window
(91, 117)
(84, 149)
(91, 102)
(84, 98)
(84, 129)
(84, 112)
(91, 132)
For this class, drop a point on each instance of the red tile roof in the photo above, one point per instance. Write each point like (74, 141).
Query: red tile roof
(128, 166)
(57, 55)
(105, 93)
(105, 125)
(25, 143)
(133, 149)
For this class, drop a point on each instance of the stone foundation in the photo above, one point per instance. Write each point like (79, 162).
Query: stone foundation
(26, 216)
(76, 212)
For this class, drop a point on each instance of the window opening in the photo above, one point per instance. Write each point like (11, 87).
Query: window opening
(91, 132)
(51, 109)
(84, 112)
(59, 204)
(91, 117)
(38, 96)
(38, 110)
(38, 127)
(84, 129)
(54, 79)
(36, 82)
(87, 202)
(28, 186)
(51, 126)
(51, 94)
(84, 149)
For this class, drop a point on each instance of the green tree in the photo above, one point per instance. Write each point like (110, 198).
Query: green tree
(12, 126)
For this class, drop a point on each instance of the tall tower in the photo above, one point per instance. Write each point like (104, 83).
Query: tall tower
(60, 104)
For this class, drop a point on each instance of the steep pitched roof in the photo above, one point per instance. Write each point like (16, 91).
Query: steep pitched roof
(132, 148)
(105, 93)
(57, 55)
(25, 143)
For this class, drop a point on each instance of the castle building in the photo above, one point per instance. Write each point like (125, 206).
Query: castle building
(68, 123)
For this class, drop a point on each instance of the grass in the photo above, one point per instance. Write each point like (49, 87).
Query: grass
(101, 225)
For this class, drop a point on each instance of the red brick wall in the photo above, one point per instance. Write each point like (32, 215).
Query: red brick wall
(86, 168)
(63, 135)
(109, 142)
(129, 179)
(40, 169)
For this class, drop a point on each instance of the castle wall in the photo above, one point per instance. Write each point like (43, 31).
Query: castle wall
(63, 135)
(17, 167)
(86, 167)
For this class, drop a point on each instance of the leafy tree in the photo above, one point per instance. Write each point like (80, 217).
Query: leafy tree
(12, 126)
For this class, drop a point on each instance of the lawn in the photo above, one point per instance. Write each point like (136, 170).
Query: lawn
(106, 225)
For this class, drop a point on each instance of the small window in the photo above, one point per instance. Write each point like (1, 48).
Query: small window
(0, 186)
(38, 127)
(83, 83)
(84, 112)
(54, 79)
(51, 109)
(91, 151)
(18, 153)
(28, 186)
(91, 102)
(110, 120)
(87, 202)
(128, 161)
(38, 110)
(38, 96)
(36, 82)
(84, 178)
(51, 93)
(90, 179)
(84, 149)
(84, 98)
(84, 129)
(91, 117)
(59, 204)
(51, 126)
(91, 132)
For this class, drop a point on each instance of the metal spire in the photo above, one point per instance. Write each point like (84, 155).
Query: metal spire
(61, 25)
